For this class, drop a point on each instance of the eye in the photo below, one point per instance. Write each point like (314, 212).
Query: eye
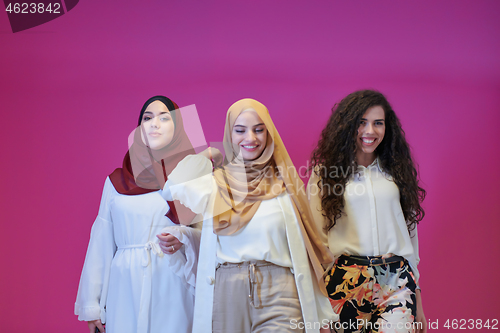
(165, 118)
(146, 118)
(362, 122)
(259, 130)
(379, 123)
(239, 131)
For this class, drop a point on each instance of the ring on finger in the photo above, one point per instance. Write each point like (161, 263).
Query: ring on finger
(173, 248)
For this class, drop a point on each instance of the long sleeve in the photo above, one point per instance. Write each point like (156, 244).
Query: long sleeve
(184, 263)
(91, 297)
(191, 182)
(414, 242)
(314, 196)
(416, 258)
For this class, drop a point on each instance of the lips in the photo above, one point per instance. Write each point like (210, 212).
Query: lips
(368, 141)
(250, 147)
(154, 134)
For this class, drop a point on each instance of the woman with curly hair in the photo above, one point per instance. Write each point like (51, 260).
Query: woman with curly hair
(365, 193)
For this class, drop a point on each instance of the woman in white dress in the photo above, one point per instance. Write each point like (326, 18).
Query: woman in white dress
(127, 283)
(260, 259)
(365, 194)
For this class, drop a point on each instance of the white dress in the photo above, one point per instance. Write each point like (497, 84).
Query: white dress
(192, 183)
(126, 280)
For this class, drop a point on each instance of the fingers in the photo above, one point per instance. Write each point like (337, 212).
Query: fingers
(163, 237)
(214, 155)
(170, 249)
(207, 153)
(169, 244)
(168, 240)
(217, 157)
(167, 237)
(218, 161)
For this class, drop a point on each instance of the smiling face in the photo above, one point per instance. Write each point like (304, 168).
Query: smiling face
(370, 134)
(249, 135)
(158, 126)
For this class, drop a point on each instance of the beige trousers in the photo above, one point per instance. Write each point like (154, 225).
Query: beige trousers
(255, 297)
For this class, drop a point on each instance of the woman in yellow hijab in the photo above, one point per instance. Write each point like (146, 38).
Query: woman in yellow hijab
(260, 254)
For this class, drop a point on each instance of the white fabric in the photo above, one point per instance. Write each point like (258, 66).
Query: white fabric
(184, 262)
(372, 222)
(263, 238)
(126, 280)
(191, 183)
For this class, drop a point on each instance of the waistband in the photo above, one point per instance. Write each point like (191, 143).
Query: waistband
(148, 247)
(251, 263)
(368, 260)
(251, 267)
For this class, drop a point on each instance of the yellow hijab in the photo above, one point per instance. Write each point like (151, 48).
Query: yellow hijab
(243, 185)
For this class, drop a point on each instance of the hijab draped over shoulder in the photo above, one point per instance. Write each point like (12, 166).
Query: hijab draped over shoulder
(243, 185)
(144, 169)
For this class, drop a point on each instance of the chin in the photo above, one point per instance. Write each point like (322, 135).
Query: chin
(157, 147)
(246, 158)
(368, 151)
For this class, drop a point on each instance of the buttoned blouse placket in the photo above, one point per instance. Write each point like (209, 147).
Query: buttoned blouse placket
(366, 175)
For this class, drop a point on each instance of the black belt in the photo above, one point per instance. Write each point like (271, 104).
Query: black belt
(368, 260)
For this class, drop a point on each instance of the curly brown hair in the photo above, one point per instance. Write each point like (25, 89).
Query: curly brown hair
(337, 149)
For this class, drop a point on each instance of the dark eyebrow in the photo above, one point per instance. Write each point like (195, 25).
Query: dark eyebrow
(160, 112)
(374, 120)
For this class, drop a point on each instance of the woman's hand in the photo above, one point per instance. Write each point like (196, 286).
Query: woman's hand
(420, 318)
(96, 323)
(214, 155)
(169, 244)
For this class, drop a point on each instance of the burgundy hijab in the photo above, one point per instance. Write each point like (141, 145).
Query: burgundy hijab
(145, 170)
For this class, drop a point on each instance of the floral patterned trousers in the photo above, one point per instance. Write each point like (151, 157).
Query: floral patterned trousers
(372, 298)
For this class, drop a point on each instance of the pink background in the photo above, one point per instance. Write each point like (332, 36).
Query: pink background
(71, 91)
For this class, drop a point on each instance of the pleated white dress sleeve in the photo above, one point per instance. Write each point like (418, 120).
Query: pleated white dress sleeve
(192, 183)
(91, 299)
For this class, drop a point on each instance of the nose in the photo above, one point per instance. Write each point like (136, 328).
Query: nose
(155, 122)
(250, 136)
(369, 128)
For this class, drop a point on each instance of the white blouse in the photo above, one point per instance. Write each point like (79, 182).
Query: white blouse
(193, 184)
(372, 221)
(263, 238)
